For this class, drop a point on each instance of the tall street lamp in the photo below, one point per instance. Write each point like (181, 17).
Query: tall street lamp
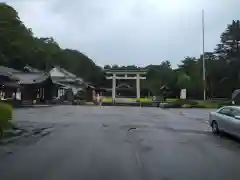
(203, 57)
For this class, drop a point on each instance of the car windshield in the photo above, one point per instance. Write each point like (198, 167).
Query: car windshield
(225, 110)
(235, 112)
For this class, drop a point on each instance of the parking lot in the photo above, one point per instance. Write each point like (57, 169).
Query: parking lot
(121, 143)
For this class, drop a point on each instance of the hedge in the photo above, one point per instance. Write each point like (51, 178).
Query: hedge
(192, 104)
(5, 116)
(207, 105)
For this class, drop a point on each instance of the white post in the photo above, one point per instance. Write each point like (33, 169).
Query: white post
(138, 85)
(203, 57)
(113, 87)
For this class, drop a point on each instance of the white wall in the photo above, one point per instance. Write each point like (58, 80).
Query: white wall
(56, 73)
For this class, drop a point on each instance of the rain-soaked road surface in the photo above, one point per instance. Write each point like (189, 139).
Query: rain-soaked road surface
(118, 143)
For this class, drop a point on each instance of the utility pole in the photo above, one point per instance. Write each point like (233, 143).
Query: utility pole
(203, 56)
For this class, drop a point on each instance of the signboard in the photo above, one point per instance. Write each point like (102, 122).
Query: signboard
(183, 94)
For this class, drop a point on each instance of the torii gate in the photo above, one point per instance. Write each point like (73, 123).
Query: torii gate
(137, 74)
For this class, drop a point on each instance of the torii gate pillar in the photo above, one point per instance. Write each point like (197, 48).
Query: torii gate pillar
(138, 86)
(114, 87)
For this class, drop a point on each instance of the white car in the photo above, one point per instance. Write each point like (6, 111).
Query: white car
(226, 119)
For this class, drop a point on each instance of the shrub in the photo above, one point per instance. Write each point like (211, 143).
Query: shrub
(186, 106)
(225, 104)
(5, 116)
(171, 105)
(199, 106)
(206, 105)
(181, 102)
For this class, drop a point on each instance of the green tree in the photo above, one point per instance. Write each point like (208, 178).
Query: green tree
(15, 39)
(192, 68)
(229, 56)
(18, 47)
(183, 81)
(107, 67)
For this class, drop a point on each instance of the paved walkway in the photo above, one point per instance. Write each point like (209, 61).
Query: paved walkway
(120, 143)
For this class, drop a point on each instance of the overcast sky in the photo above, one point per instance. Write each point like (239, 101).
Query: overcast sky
(130, 32)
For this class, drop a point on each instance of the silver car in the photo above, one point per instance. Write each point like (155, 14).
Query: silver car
(226, 119)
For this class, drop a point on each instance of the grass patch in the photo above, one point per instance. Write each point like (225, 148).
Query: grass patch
(143, 100)
(169, 100)
(5, 117)
(107, 99)
(176, 103)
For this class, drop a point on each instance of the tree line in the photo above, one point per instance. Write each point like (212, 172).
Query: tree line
(222, 70)
(19, 47)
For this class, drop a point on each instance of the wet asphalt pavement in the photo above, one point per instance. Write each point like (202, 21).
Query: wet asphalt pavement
(118, 143)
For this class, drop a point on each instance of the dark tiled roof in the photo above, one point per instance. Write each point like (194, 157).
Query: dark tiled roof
(31, 69)
(4, 69)
(11, 84)
(67, 73)
(22, 77)
(69, 76)
(31, 78)
(9, 76)
(62, 79)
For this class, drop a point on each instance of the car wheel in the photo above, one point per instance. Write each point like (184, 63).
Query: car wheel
(215, 129)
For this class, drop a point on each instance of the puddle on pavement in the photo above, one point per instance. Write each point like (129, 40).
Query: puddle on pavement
(26, 133)
(105, 125)
(134, 127)
(184, 131)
